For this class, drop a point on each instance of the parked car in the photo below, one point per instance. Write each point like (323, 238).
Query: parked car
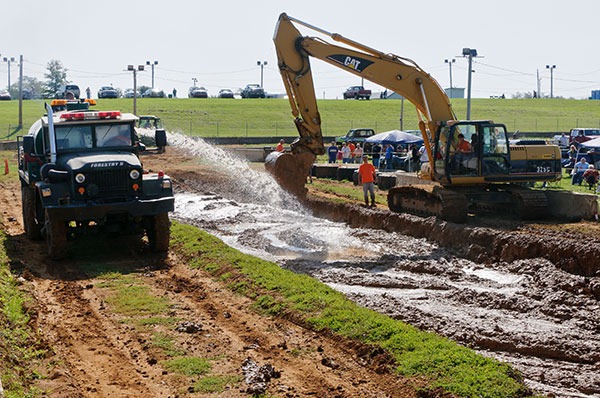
(108, 92)
(197, 92)
(253, 91)
(5, 95)
(128, 93)
(225, 93)
(64, 91)
(153, 93)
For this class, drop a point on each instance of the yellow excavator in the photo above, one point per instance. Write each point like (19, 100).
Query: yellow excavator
(492, 176)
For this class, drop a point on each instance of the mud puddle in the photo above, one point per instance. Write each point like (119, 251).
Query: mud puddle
(528, 312)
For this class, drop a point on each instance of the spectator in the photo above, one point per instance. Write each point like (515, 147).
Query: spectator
(572, 157)
(389, 153)
(174, 93)
(88, 93)
(413, 158)
(591, 176)
(345, 153)
(358, 153)
(352, 148)
(332, 151)
(376, 154)
(578, 170)
(423, 157)
(280, 147)
(563, 141)
(366, 177)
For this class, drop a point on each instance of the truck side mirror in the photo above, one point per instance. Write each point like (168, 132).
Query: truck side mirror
(28, 144)
(160, 136)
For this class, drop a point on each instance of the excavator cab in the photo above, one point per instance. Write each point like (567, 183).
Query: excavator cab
(469, 152)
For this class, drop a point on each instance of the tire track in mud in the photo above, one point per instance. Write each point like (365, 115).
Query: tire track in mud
(96, 355)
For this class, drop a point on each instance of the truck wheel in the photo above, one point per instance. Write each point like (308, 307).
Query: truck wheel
(159, 232)
(56, 237)
(33, 229)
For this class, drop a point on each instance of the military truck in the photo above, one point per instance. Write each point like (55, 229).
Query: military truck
(80, 169)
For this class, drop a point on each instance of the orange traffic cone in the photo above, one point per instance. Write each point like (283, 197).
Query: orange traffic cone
(5, 166)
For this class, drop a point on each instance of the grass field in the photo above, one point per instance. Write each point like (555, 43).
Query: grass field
(214, 117)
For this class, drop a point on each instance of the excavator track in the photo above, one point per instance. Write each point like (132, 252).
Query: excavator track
(453, 204)
(423, 200)
(528, 203)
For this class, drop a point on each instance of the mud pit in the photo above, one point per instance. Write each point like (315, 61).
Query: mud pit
(488, 288)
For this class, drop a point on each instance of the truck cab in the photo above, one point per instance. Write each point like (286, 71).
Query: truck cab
(355, 135)
(80, 169)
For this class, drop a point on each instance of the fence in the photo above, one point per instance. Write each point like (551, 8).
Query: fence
(286, 127)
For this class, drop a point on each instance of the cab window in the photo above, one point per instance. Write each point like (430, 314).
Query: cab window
(73, 137)
(110, 135)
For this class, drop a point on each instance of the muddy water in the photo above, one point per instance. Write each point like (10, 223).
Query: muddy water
(526, 312)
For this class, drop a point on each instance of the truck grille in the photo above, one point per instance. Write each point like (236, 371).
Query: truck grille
(110, 183)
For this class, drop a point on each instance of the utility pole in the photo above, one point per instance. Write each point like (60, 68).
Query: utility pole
(262, 65)
(470, 53)
(8, 60)
(449, 62)
(134, 70)
(551, 67)
(152, 65)
(20, 92)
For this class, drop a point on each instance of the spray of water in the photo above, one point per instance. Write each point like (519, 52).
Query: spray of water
(254, 186)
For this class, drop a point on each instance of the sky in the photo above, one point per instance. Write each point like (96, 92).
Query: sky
(219, 43)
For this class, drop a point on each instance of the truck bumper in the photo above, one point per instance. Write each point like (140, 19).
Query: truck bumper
(94, 211)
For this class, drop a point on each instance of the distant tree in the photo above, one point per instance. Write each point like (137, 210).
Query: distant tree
(32, 88)
(143, 89)
(56, 77)
(519, 95)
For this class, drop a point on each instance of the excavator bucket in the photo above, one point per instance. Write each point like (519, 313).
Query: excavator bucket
(291, 170)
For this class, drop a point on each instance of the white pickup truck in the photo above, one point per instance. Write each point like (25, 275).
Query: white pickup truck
(578, 135)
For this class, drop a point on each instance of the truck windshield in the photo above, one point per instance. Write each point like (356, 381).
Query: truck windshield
(73, 137)
(113, 135)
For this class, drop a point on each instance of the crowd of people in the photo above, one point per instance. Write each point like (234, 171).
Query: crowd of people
(384, 157)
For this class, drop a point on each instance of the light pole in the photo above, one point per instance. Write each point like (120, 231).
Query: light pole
(449, 62)
(551, 67)
(261, 64)
(134, 70)
(8, 60)
(470, 53)
(152, 65)
(195, 81)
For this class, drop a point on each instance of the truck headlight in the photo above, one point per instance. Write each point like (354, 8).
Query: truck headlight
(166, 184)
(80, 178)
(134, 174)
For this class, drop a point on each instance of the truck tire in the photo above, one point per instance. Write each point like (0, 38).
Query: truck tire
(56, 237)
(159, 232)
(33, 229)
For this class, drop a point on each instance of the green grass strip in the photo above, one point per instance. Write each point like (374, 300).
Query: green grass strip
(19, 348)
(454, 368)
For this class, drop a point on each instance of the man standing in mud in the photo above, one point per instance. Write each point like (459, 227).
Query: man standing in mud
(366, 177)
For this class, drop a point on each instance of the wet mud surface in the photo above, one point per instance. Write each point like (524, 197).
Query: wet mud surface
(523, 294)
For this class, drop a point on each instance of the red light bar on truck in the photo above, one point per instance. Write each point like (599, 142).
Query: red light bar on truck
(91, 115)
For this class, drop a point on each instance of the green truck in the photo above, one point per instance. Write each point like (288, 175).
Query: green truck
(80, 169)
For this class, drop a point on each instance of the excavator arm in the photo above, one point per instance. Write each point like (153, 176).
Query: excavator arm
(400, 75)
(482, 180)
